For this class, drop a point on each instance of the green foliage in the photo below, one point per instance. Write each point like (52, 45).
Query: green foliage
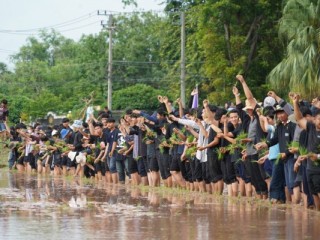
(191, 152)
(139, 96)
(299, 29)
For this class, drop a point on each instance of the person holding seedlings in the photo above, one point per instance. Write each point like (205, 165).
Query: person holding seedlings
(313, 142)
(251, 125)
(277, 183)
(284, 136)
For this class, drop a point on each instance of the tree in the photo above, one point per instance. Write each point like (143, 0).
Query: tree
(139, 96)
(300, 30)
(3, 68)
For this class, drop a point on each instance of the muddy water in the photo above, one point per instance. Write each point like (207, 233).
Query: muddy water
(33, 207)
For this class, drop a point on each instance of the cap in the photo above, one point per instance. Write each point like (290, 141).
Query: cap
(54, 132)
(77, 124)
(278, 109)
(269, 101)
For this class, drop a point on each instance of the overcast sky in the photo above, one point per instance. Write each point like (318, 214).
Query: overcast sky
(72, 18)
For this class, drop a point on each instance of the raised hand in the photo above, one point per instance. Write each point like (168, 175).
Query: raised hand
(205, 103)
(272, 94)
(240, 78)
(235, 91)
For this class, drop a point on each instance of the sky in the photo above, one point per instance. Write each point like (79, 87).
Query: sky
(20, 19)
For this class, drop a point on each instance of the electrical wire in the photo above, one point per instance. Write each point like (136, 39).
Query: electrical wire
(58, 25)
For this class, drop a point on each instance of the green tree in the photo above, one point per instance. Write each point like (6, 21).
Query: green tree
(227, 37)
(139, 96)
(300, 30)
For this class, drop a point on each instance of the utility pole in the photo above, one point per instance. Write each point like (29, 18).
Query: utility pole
(183, 60)
(110, 27)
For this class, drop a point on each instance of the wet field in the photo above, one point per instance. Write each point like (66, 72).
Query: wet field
(37, 207)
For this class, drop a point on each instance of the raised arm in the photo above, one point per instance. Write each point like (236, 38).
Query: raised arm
(286, 106)
(236, 94)
(297, 113)
(246, 90)
(181, 113)
(207, 109)
(167, 104)
(202, 129)
(91, 128)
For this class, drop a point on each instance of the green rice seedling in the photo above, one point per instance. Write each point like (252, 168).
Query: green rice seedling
(149, 135)
(191, 152)
(239, 145)
(303, 151)
(293, 146)
(90, 159)
(220, 152)
(190, 139)
(164, 144)
(278, 159)
(174, 139)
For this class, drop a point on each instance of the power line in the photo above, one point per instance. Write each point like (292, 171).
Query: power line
(83, 26)
(58, 25)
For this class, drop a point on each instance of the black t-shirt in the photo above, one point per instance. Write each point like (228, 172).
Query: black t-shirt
(303, 142)
(77, 143)
(97, 140)
(313, 144)
(112, 137)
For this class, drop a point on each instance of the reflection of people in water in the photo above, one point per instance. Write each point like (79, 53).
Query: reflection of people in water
(78, 201)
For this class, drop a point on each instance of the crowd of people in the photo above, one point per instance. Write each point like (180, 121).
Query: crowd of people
(269, 150)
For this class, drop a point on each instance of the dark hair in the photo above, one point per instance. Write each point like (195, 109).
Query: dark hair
(232, 111)
(316, 112)
(128, 111)
(21, 126)
(219, 113)
(305, 111)
(85, 125)
(65, 120)
(186, 111)
(134, 115)
(100, 113)
(111, 120)
(268, 111)
(98, 124)
(104, 115)
(269, 114)
(161, 112)
(213, 108)
(4, 101)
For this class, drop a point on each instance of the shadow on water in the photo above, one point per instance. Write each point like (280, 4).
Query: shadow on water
(60, 208)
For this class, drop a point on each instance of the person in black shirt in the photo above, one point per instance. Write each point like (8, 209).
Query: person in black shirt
(313, 142)
(98, 137)
(112, 141)
(284, 136)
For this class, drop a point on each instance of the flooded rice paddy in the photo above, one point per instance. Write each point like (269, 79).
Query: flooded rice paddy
(38, 207)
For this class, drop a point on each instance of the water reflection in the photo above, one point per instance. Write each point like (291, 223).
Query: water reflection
(60, 208)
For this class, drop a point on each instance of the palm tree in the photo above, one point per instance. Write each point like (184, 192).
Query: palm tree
(300, 29)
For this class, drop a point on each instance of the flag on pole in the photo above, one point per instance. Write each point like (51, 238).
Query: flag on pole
(195, 100)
